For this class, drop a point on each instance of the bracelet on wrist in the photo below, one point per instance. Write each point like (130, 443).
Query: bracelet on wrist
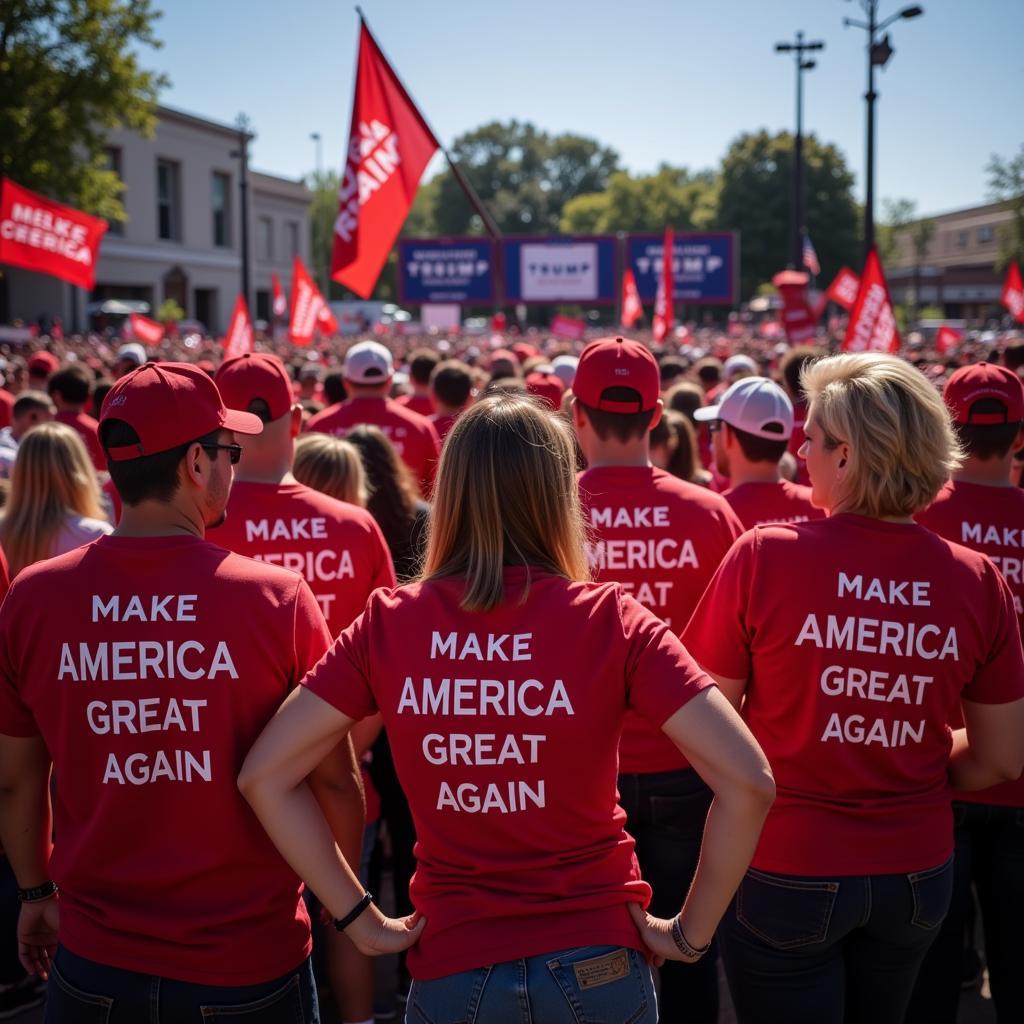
(684, 947)
(341, 923)
(38, 893)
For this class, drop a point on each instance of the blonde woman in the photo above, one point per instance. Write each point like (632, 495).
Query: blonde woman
(332, 466)
(54, 503)
(503, 677)
(850, 643)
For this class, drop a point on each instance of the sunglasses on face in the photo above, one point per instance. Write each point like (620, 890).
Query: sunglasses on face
(234, 451)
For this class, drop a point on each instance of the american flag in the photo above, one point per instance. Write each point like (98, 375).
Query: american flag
(811, 257)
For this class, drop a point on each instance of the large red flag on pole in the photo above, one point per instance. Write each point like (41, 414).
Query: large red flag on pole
(280, 303)
(307, 303)
(1013, 293)
(632, 308)
(150, 331)
(389, 146)
(663, 309)
(872, 326)
(51, 238)
(238, 340)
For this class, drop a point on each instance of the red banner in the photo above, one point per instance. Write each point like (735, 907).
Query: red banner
(568, 327)
(632, 308)
(1013, 293)
(238, 340)
(326, 321)
(843, 289)
(389, 146)
(797, 320)
(306, 305)
(41, 235)
(947, 339)
(872, 326)
(280, 303)
(663, 311)
(149, 331)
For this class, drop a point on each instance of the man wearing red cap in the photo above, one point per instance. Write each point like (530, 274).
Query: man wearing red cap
(662, 539)
(368, 372)
(547, 386)
(144, 665)
(41, 366)
(982, 510)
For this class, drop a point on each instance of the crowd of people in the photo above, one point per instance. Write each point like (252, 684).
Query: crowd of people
(617, 660)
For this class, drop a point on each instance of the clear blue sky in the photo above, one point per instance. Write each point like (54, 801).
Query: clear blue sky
(658, 80)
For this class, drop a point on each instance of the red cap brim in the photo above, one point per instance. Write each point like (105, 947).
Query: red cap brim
(242, 422)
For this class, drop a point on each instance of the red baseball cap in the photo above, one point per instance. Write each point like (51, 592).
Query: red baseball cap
(255, 375)
(979, 381)
(170, 404)
(617, 363)
(43, 362)
(546, 386)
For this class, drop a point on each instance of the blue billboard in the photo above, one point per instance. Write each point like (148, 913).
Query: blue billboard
(568, 269)
(445, 270)
(705, 266)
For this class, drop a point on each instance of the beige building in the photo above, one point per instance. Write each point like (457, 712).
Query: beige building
(182, 239)
(957, 272)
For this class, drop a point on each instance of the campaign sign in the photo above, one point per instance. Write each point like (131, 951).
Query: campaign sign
(445, 270)
(705, 266)
(571, 269)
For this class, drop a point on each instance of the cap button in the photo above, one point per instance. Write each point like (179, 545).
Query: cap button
(620, 339)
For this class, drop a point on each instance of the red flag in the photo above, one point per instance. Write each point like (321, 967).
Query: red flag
(843, 289)
(947, 338)
(872, 326)
(568, 327)
(280, 303)
(663, 312)
(799, 323)
(239, 337)
(389, 146)
(326, 321)
(1013, 293)
(149, 331)
(38, 234)
(632, 309)
(306, 305)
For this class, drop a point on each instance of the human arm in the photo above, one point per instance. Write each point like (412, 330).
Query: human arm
(990, 749)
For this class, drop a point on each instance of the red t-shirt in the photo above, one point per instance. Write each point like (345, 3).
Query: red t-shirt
(796, 442)
(6, 408)
(858, 638)
(662, 539)
(518, 850)
(150, 666)
(759, 504)
(443, 422)
(423, 404)
(986, 519)
(87, 429)
(413, 436)
(5, 575)
(338, 548)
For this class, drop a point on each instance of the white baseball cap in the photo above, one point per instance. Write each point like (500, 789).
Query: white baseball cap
(739, 363)
(369, 362)
(754, 405)
(564, 367)
(133, 352)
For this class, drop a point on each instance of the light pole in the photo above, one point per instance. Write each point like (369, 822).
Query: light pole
(879, 52)
(243, 124)
(315, 136)
(796, 214)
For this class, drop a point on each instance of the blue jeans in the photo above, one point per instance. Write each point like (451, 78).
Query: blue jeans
(665, 814)
(85, 992)
(989, 853)
(589, 985)
(842, 950)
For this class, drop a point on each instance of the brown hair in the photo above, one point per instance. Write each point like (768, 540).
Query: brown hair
(332, 466)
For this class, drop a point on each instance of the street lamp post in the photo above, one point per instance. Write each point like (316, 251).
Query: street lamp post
(879, 52)
(243, 124)
(315, 136)
(796, 216)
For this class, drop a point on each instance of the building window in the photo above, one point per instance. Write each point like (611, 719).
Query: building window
(265, 238)
(961, 239)
(293, 239)
(113, 155)
(985, 234)
(262, 304)
(168, 200)
(221, 210)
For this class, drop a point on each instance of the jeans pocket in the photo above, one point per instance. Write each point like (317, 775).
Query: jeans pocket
(282, 1006)
(931, 891)
(453, 999)
(783, 911)
(68, 1004)
(605, 985)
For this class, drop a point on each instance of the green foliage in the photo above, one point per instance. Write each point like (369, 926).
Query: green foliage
(897, 215)
(322, 213)
(169, 310)
(70, 74)
(755, 198)
(1006, 185)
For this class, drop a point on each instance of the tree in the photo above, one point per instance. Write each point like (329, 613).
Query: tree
(70, 74)
(1006, 185)
(898, 214)
(904, 235)
(755, 197)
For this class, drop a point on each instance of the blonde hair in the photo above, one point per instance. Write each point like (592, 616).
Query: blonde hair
(505, 494)
(331, 465)
(52, 478)
(903, 447)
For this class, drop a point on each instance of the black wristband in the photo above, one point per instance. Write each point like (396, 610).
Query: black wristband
(38, 893)
(341, 923)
